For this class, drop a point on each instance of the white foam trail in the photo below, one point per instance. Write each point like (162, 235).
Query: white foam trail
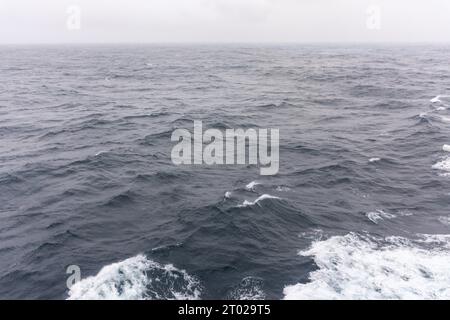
(374, 159)
(252, 203)
(362, 267)
(251, 186)
(379, 215)
(446, 148)
(137, 278)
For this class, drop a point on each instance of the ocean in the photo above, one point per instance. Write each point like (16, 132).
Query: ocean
(358, 210)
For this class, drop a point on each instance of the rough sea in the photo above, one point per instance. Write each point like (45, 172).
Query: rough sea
(358, 210)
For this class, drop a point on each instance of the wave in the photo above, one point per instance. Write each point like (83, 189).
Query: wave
(439, 105)
(428, 117)
(443, 165)
(439, 98)
(378, 215)
(251, 186)
(364, 267)
(147, 115)
(436, 99)
(247, 203)
(137, 278)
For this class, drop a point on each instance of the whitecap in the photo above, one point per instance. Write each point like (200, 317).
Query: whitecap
(251, 186)
(439, 98)
(227, 195)
(446, 148)
(363, 267)
(137, 278)
(443, 165)
(252, 203)
(378, 215)
(436, 99)
(374, 159)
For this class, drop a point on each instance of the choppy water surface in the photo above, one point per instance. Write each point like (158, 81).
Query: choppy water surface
(359, 209)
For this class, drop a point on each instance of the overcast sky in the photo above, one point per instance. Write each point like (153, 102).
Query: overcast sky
(105, 21)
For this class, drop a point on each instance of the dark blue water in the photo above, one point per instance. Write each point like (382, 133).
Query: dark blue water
(359, 208)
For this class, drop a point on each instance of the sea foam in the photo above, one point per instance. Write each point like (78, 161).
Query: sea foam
(250, 288)
(363, 267)
(443, 165)
(137, 278)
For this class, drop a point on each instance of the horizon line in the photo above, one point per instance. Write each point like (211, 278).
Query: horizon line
(231, 43)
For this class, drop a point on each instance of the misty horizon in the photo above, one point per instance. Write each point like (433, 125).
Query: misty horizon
(219, 21)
